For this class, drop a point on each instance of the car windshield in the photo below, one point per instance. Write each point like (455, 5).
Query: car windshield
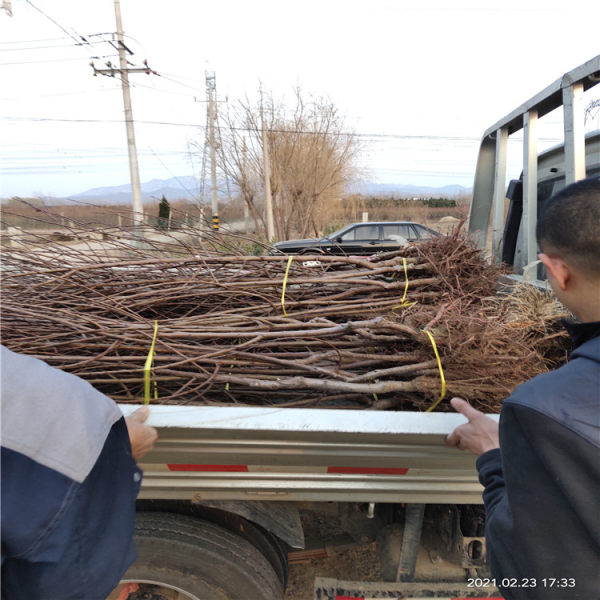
(339, 232)
(424, 233)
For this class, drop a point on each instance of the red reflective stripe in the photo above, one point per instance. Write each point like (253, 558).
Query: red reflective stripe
(211, 468)
(368, 470)
(363, 598)
(244, 469)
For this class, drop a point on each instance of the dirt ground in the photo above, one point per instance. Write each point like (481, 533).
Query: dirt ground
(331, 552)
(357, 563)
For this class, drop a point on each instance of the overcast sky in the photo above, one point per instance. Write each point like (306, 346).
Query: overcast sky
(431, 75)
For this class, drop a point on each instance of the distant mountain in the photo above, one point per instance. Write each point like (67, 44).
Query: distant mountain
(175, 188)
(187, 187)
(410, 191)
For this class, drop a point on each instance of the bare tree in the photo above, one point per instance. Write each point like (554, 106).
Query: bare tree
(312, 159)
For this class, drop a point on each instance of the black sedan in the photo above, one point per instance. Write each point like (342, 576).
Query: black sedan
(360, 239)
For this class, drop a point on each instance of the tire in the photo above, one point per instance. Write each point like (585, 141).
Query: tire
(273, 549)
(312, 252)
(200, 560)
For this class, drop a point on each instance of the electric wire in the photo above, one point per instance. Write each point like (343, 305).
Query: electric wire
(247, 129)
(41, 47)
(171, 172)
(54, 21)
(365, 135)
(32, 41)
(53, 60)
(78, 38)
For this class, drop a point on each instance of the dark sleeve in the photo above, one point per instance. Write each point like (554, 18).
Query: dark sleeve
(542, 522)
(67, 540)
(489, 466)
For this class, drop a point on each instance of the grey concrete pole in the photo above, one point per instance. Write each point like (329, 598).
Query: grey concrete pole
(138, 208)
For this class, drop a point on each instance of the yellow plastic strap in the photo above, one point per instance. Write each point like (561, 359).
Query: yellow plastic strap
(439, 362)
(231, 367)
(404, 304)
(227, 384)
(148, 367)
(285, 278)
(405, 281)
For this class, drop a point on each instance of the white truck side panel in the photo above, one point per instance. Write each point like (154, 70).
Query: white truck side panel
(230, 453)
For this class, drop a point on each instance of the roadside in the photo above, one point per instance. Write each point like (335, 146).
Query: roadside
(357, 563)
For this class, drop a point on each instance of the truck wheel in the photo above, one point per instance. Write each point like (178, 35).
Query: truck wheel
(183, 558)
(271, 548)
(309, 251)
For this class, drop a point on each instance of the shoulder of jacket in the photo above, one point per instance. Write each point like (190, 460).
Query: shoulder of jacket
(569, 396)
(52, 417)
(588, 350)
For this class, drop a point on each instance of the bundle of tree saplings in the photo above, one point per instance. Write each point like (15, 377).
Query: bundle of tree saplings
(402, 330)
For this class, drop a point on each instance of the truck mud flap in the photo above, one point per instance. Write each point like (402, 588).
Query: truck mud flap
(334, 589)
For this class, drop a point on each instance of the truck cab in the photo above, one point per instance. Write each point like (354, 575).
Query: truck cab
(578, 156)
(551, 179)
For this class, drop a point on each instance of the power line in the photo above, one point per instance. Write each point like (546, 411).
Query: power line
(361, 135)
(171, 173)
(77, 38)
(474, 8)
(83, 154)
(41, 47)
(33, 41)
(78, 93)
(55, 22)
(153, 88)
(196, 89)
(182, 77)
(52, 60)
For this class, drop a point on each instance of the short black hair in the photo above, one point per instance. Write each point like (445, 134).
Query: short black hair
(569, 223)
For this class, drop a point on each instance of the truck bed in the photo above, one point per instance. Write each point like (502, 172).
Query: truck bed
(286, 454)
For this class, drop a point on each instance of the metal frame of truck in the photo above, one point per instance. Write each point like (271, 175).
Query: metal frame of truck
(246, 469)
(248, 453)
(490, 175)
(253, 466)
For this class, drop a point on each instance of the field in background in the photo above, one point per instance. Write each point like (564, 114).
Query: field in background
(33, 214)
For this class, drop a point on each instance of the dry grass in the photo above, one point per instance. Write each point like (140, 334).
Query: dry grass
(539, 314)
(31, 213)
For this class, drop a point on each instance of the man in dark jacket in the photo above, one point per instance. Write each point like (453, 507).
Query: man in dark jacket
(69, 483)
(541, 469)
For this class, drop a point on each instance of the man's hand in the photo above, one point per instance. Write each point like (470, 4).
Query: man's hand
(142, 437)
(479, 435)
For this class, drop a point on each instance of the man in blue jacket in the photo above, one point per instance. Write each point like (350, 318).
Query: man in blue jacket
(69, 483)
(541, 467)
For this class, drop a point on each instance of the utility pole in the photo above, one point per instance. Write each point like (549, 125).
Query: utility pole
(267, 169)
(123, 71)
(210, 91)
(244, 173)
(136, 192)
(212, 143)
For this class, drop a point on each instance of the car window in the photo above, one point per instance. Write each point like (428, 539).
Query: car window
(398, 229)
(362, 232)
(424, 233)
(547, 188)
